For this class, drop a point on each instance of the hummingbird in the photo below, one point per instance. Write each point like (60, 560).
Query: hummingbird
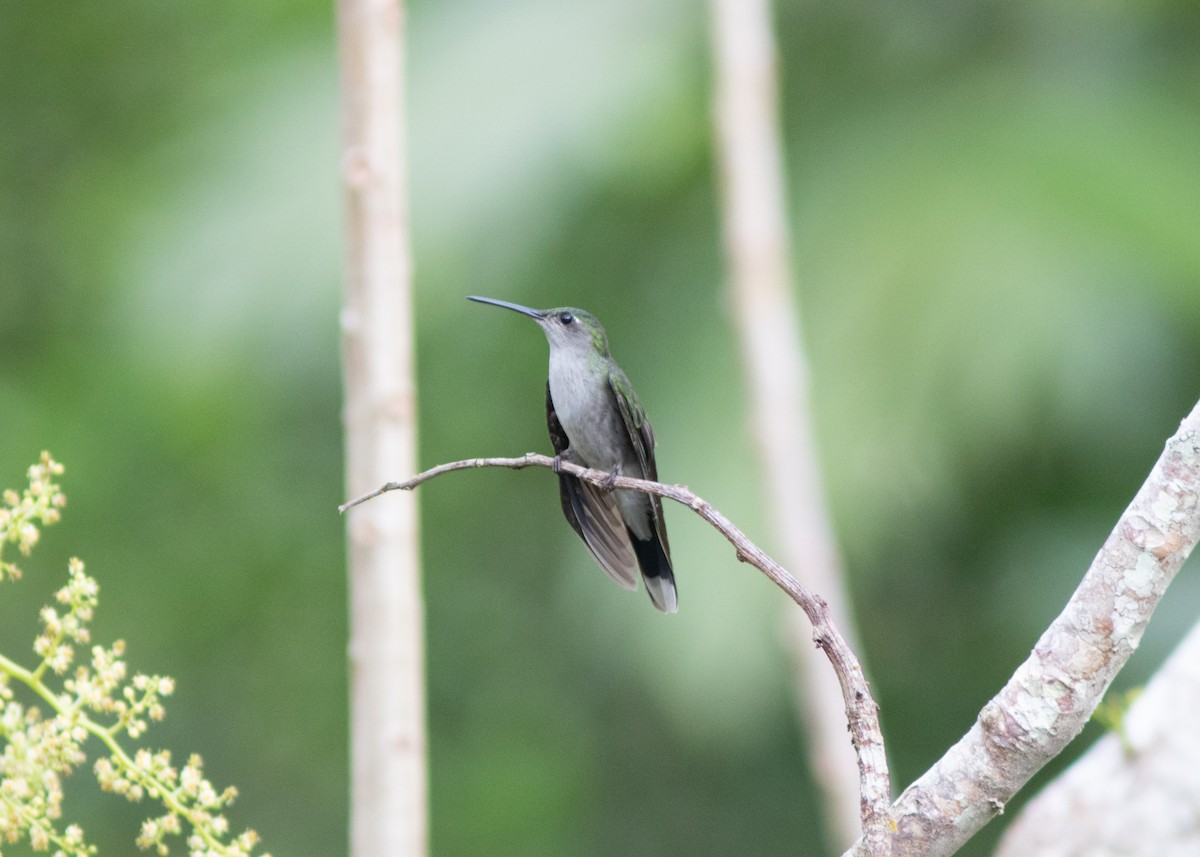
(595, 420)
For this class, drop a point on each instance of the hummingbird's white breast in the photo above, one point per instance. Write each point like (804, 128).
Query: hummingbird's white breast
(584, 403)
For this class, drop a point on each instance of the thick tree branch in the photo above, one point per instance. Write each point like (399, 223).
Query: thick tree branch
(1135, 792)
(861, 711)
(1051, 696)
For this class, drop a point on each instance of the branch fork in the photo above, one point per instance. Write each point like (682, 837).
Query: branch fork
(1044, 705)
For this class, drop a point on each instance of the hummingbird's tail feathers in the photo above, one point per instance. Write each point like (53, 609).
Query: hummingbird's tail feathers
(662, 593)
(657, 573)
(595, 516)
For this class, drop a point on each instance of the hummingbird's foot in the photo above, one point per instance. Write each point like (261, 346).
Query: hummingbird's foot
(609, 482)
(567, 455)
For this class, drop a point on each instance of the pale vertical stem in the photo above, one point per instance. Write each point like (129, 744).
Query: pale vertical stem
(756, 244)
(388, 800)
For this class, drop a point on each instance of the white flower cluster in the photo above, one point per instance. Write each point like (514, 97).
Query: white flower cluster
(21, 513)
(97, 700)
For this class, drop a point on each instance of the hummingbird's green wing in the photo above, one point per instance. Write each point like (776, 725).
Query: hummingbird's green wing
(593, 513)
(641, 435)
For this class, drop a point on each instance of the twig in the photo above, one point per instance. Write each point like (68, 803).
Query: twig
(861, 711)
(1051, 696)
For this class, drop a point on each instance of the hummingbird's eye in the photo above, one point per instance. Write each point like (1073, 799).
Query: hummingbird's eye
(566, 318)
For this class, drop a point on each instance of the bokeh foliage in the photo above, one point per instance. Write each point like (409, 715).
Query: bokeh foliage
(995, 243)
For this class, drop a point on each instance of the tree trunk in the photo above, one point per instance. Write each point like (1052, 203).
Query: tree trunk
(388, 790)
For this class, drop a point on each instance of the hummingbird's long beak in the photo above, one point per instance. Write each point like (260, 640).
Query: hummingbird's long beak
(524, 310)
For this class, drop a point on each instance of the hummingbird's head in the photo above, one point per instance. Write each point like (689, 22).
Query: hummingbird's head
(565, 327)
(574, 329)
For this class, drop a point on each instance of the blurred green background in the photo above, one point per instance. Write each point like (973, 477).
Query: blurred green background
(996, 211)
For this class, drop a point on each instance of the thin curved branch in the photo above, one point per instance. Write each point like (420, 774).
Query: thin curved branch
(862, 713)
(1051, 696)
